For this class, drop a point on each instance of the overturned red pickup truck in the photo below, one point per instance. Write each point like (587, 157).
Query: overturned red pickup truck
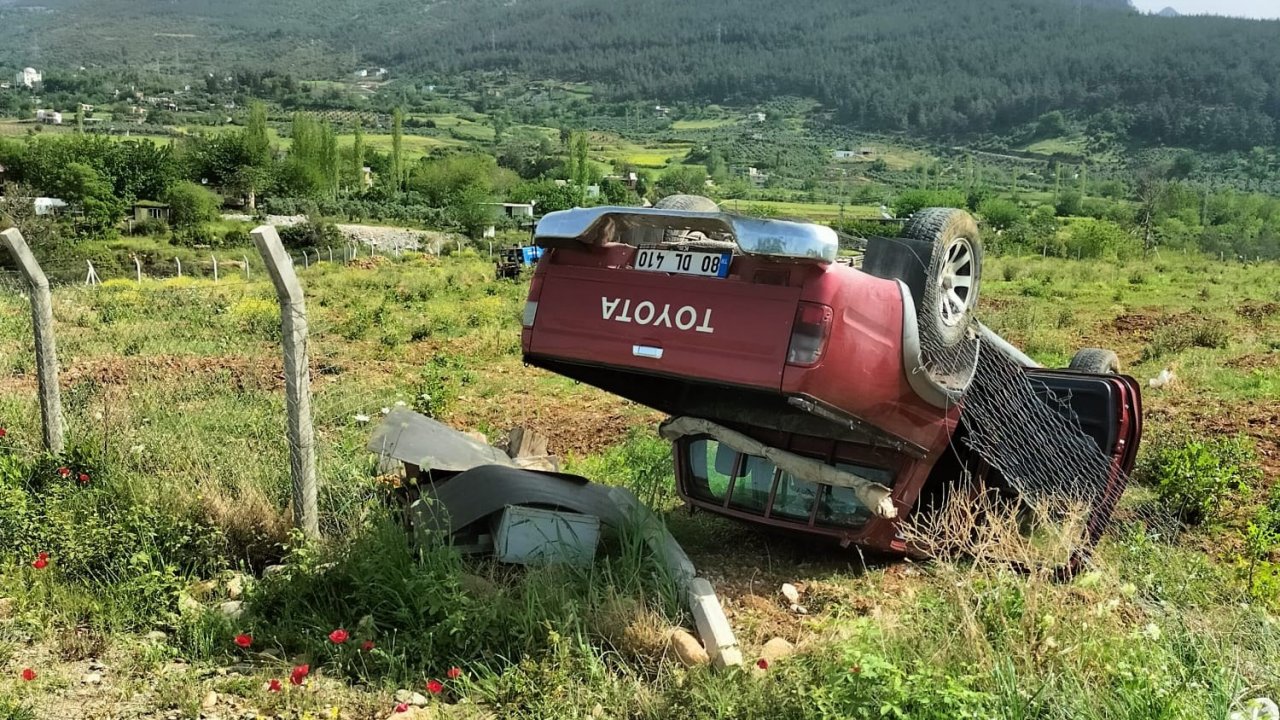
(799, 387)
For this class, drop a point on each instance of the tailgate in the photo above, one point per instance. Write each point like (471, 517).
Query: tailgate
(721, 330)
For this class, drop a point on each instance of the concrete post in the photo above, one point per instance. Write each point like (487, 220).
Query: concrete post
(215, 267)
(297, 376)
(179, 262)
(246, 267)
(46, 349)
(137, 266)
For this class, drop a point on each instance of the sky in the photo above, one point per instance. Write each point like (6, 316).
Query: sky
(1237, 8)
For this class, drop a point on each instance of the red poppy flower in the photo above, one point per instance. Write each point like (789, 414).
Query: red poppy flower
(402, 707)
(762, 664)
(28, 674)
(3, 432)
(42, 556)
(339, 636)
(454, 673)
(84, 478)
(434, 687)
(273, 685)
(367, 646)
(41, 562)
(856, 669)
(244, 640)
(299, 674)
(64, 471)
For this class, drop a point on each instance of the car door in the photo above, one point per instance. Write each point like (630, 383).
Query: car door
(1109, 411)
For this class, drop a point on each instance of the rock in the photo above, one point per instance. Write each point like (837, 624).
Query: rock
(791, 594)
(687, 649)
(188, 604)
(96, 665)
(232, 609)
(6, 608)
(270, 570)
(157, 636)
(235, 586)
(210, 701)
(799, 610)
(202, 590)
(477, 586)
(411, 698)
(777, 649)
(91, 678)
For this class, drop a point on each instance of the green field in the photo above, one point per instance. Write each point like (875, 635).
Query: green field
(176, 414)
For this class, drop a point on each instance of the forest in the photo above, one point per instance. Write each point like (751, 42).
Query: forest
(941, 70)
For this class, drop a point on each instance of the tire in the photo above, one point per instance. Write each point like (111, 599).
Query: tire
(1097, 361)
(696, 203)
(950, 297)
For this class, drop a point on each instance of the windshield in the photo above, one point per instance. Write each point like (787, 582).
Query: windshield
(722, 475)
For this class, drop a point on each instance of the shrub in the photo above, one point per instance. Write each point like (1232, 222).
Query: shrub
(311, 234)
(150, 228)
(913, 200)
(236, 237)
(191, 204)
(1194, 478)
(198, 236)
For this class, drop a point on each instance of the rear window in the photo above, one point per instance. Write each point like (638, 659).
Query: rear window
(722, 475)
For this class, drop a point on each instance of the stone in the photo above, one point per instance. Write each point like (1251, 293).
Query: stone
(235, 586)
(210, 701)
(188, 604)
(96, 665)
(411, 698)
(6, 608)
(791, 594)
(270, 570)
(157, 636)
(687, 649)
(91, 678)
(777, 649)
(202, 590)
(232, 609)
(477, 586)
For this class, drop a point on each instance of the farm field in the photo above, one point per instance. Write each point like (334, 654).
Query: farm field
(176, 413)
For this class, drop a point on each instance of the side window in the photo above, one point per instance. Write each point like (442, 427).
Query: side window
(712, 466)
(751, 490)
(839, 506)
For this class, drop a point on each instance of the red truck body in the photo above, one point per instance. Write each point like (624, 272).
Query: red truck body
(813, 357)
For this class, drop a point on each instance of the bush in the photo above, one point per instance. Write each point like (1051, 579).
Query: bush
(236, 237)
(311, 234)
(191, 205)
(198, 236)
(913, 200)
(150, 228)
(1193, 479)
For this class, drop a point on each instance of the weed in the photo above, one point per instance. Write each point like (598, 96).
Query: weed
(1194, 478)
(14, 710)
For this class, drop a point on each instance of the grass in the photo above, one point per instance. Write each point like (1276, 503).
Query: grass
(174, 403)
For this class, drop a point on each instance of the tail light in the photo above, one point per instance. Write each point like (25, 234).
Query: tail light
(531, 304)
(809, 334)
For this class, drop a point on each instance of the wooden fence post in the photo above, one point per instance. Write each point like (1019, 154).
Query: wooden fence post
(46, 350)
(297, 378)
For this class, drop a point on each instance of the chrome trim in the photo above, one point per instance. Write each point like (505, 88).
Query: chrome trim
(754, 236)
(918, 377)
(647, 351)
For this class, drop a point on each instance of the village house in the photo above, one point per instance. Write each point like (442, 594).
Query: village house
(29, 77)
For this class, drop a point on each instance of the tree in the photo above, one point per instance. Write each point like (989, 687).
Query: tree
(257, 140)
(683, 180)
(1051, 124)
(356, 171)
(579, 166)
(999, 214)
(191, 205)
(397, 149)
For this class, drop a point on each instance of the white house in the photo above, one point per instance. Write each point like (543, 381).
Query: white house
(758, 117)
(843, 154)
(49, 117)
(29, 77)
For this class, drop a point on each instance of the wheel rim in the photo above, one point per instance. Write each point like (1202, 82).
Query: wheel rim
(955, 282)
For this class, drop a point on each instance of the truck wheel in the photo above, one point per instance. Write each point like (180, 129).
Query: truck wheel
(1097, 361)
(688, 202)
(951, 291)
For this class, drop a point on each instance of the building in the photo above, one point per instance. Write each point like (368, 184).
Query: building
(48, 205)
(514, 210)
(843, 154)
(753, 175)
(757, 117)
(49, 117)
(29, 77)
(147, 211)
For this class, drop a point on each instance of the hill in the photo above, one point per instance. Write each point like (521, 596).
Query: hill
(926, 67)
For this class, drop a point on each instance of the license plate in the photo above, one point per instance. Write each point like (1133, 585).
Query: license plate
(706, 264)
